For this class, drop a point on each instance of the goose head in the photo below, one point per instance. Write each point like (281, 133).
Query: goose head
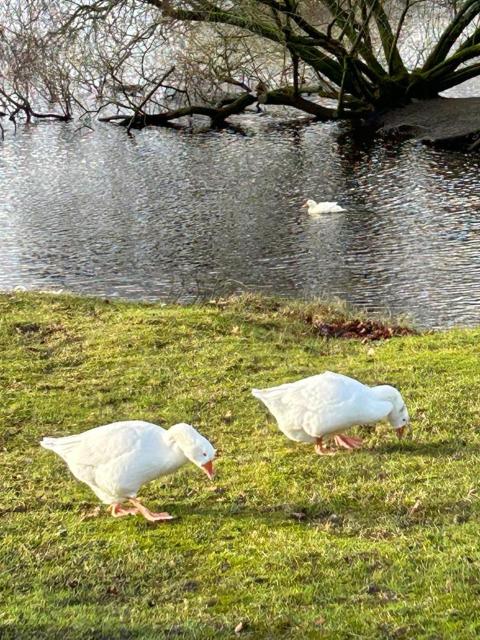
(309, 204)
(398, 417)
(194, 446)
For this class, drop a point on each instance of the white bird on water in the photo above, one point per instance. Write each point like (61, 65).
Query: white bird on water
(116, 459)
(317, 208)
(324, 406)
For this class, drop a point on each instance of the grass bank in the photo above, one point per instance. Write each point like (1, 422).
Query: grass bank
(383, 543)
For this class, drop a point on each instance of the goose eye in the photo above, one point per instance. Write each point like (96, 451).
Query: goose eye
(204, 454)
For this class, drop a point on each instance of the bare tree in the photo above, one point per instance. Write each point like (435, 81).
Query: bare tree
(151, 62)
(35, 70)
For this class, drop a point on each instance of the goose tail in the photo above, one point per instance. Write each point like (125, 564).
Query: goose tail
(64, 447)
(48, 443)
(271, 392)
(262, 395)
(266, 394)
(271, 398)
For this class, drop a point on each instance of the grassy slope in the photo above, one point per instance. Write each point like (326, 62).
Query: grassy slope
(388, 547)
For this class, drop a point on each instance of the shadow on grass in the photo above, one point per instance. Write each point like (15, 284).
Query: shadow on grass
(446, 448)
(51, 631)
(343, 517)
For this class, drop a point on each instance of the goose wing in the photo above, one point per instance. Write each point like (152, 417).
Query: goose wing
(326, 207)
(102, 444)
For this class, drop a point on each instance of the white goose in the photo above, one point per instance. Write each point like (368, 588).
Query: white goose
(325, 405)
(116, 459)
(317, 208)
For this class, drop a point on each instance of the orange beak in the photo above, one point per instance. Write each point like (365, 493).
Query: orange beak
(304, 206)
(400, 432)
(208, 468)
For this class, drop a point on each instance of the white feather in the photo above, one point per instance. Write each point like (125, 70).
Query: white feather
(318, 208)
(116, 459)
(328, 403)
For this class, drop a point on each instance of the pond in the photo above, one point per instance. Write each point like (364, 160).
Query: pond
(168, 215)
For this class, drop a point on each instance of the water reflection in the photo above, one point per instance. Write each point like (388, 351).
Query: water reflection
(172, 215)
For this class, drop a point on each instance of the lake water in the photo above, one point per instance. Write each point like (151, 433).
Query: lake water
(170, 215)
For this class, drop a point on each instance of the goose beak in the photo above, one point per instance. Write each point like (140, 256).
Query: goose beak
(208, 469)
(304, 206)
(400, 432)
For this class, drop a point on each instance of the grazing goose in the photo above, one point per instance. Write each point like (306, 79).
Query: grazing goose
(116, 459)
(326, 405)
(317, 208)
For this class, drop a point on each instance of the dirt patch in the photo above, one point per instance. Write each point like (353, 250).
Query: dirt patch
(39, 332)
(365, 330)
(25, 328)
(329, 319)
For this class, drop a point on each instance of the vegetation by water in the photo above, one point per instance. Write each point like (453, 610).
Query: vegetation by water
(159, 62)
(382, 543)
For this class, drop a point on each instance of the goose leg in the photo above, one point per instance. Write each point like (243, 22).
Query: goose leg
(347, 442)
(118, 511)
(150, 515)
(321, 450)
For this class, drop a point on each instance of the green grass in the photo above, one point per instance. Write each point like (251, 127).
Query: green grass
(387, 543)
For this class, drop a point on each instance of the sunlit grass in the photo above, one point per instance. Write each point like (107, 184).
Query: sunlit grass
(382, 543)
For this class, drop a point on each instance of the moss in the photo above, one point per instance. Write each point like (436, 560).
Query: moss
(382, 543)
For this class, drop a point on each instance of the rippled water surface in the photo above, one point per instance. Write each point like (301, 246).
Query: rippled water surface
(180, 216)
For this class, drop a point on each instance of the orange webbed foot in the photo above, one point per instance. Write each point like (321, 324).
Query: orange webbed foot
(348, 442)
(151, 516)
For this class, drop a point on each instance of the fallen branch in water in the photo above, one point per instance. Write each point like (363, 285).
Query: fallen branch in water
(19, 104)
(218, 114)
(149, 96)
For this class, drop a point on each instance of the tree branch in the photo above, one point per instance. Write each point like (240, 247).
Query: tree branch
(465, 16)
(450, 64)
(387, 38)
(446, 82)
(217, 115)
